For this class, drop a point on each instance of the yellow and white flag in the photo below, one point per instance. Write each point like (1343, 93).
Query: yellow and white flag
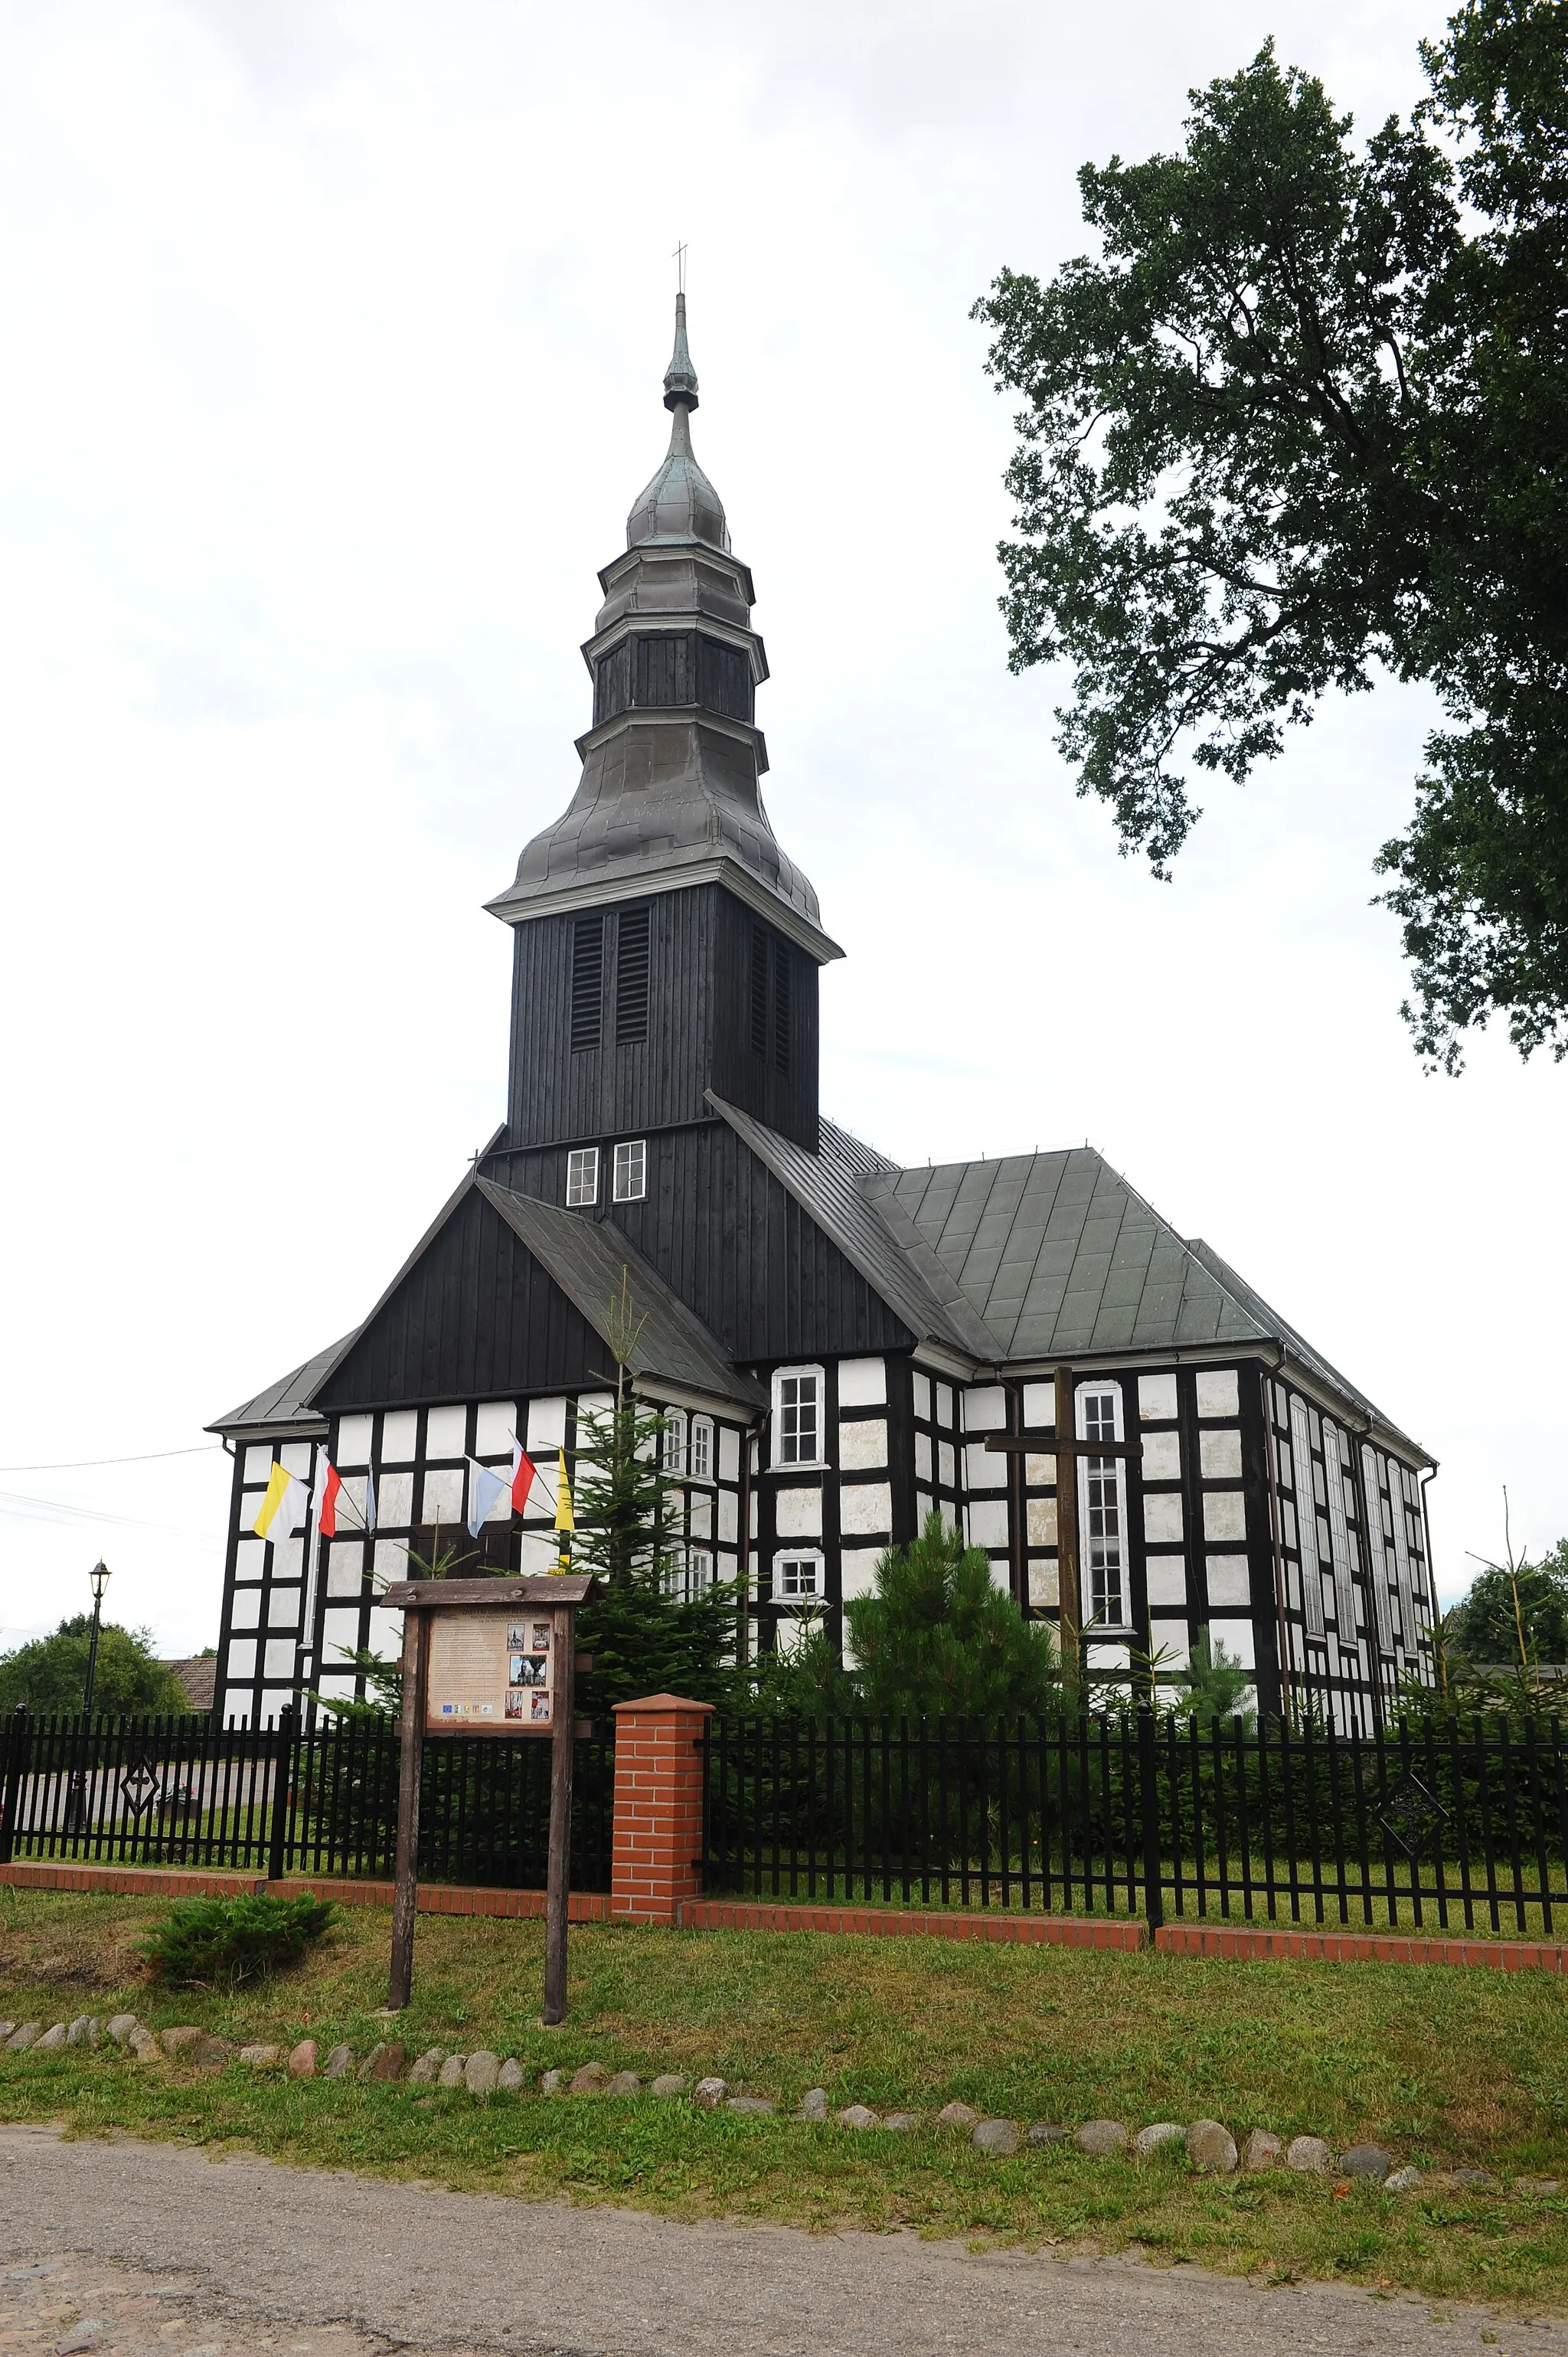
(282, 1508)
(565, 1524)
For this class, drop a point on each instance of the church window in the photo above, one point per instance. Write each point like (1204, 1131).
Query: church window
(695, 1577)
(581, 1175)
(797, 1416)
(759, 948)
(1306, 1522)
(1102, 1507)
(631, 978)
(1339, 1537)
(781, 1007)
(631, 1170)
(700, 1448)
(587, 980)
(798, 1579)
(1402, 1556)
(675, 1442)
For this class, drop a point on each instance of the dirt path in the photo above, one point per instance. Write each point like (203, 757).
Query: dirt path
(167, 2251)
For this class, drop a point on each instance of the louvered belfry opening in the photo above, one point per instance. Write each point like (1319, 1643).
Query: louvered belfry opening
(782, 1025)
(631, 978)
(761, 947)
(587, 981)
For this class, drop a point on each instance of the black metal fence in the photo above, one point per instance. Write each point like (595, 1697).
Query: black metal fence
(287, 1799)
(1433, 1825)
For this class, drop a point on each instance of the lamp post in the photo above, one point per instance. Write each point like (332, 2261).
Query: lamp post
(76, 1798)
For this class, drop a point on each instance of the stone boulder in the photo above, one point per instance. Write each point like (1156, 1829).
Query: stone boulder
(145, 2046)
(1101, 2137)
(591, 2080)
(120, 2028)
(1368, 2162)
(957, 2116)
(1404, 2180)
(996, 2139)
(1044, 2132)
(52, 2037)
(209, 2053)
(902, 2122)
(814, 2104)
(553, 2082)
(85, 2030)
(177, 2043)
(1309, 2154)
(302, 2060)
(451, 2071)
(625, 2083)
(860, 2115)
(260, 2057)
(710, 2094)
(1212, 2148)
(670, 2082)
(423, 2069)
(750, 2103)
(7, 2029)
(27, 2035)
(1151, 2140)
(481, 2072)
(339, 2062)
(1263, 2150)
(509, 2081)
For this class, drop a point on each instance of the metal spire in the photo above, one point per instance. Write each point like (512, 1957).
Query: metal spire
(681, 377)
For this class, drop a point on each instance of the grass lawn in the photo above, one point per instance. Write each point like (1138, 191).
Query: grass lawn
(1443, 2066)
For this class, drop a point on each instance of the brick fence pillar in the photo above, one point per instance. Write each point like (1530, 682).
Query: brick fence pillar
(658, 1848)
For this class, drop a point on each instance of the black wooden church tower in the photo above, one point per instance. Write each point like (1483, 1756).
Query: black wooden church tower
(834, 1339)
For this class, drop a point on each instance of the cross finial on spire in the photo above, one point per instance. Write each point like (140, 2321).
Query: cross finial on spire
(679, 258)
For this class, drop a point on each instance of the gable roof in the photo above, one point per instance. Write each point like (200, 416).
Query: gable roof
(830, 1186)
(585, 1258)
(284, 1405)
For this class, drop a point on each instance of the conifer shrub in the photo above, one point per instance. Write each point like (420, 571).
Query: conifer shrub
(218, 1942)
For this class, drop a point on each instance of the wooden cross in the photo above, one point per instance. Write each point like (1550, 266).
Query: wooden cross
(1060, 1441)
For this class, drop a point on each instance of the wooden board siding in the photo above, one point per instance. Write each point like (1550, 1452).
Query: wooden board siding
(736, 1247)
(478, 1317)
(698, 1038)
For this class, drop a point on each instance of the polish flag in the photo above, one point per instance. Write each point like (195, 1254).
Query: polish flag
(523, 1476)
(329, 1481)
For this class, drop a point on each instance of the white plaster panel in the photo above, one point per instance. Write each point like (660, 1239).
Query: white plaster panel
(283, 1608)
(864, 1444)
(866, 1506)
(1167, 1578)
(391, 1559)
(386, 1634)
(984, 1408)
(729, 1516)
(1161, 1517)
(241, 1657)
(445, 1432)
(1040, 1405)
(259, 1462)
(797, 1514)
(988, 1523)
(1162, 1455)
(1111, 1657)
(236, 1708)
(729, 1454)
(1224, 1514)
(923, 1506)
(245, 1612)
(250, 1559)
(400, 1435)
(752, 1516)
(1229, 1579)
(1041, 1521)
(701, 1518)
(984, 1469)
(339, 1634)
(495, 1423)
(948, 1514)
(1236, 1636)
(1043, 1583)
(922, 1392)
(394, 1500)
(1218, 1391)
(863, 1383)
(546, 1424)
(537, 1553)
(288, 1559)
(923, 1456)
(1001, 1574)
(279, 1658)
(1218, 1456)
(857, 1571)
(947, 1466)
(1039, 1472)
(297, 1455)
(442, 1499)
(355, 1435)
(1168, 1638)
(1156, 1398)
(345, 1568)
(247, 1507)
(944, 1404)
(336, 1686)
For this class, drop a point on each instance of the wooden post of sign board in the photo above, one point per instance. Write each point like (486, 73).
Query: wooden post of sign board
(558, 1873)
(1067, 1535)
(411, 1755)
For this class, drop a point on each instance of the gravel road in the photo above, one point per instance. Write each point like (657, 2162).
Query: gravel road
(163, 2250)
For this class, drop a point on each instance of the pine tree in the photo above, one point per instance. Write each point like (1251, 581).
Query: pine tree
(940, 1639)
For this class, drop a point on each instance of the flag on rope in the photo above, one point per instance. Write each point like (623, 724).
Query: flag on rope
(329, 1481)
(282, 1508)
(485, 1486)
(369, 1500)
(524, 1473)
(565, 1524)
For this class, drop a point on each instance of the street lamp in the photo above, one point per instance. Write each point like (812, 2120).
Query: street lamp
(76, 1796)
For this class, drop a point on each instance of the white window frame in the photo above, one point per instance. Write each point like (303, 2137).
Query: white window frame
(674, 1444)
(582, 1177)
(1102, 1495)
(700, 1447)
(1306, 1521)
(1339, 1537)
(782, 1376)
(690, 1575)
(794, 1560)
(632, 1166)
(1372, 1547)
(1404, 1577)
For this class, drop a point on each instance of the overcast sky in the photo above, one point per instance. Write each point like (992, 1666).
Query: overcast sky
(332, 339)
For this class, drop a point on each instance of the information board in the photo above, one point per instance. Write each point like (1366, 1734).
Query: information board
(493, 1671)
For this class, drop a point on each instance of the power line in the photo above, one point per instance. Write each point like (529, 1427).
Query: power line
(18, 1504)
(82, 1464)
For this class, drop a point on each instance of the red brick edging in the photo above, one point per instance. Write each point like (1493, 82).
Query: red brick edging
(1272, 1942)
(172, 1882)
(881, 1923)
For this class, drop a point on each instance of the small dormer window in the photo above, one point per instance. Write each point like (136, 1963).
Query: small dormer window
(700, 1448)
(631, 1170)
(582, 1177)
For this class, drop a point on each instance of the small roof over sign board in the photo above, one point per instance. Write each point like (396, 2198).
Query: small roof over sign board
(534, 1588)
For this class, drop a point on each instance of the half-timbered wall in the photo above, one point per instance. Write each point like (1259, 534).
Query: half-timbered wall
(265, 1618)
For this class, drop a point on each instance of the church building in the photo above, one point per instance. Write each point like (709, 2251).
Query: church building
(842, 1346)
